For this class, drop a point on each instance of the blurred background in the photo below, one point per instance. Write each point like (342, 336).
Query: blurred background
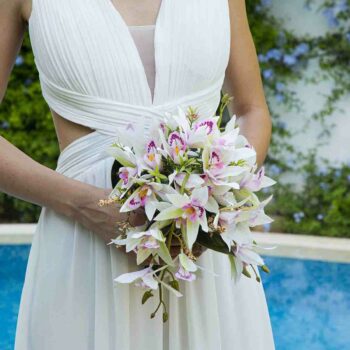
(303, 48)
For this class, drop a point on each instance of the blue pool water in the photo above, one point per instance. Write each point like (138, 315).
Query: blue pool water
(309, 301)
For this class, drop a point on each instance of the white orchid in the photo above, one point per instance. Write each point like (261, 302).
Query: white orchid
(145, 196)
(186, 268)
(217, 168)
(192, 209)
(145, 243)
(255, 182)
(145, 275)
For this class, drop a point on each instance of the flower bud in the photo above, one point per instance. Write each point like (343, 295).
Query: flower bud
(265, 269)
(175, 284)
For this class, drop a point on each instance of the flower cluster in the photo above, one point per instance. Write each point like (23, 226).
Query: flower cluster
(197, 184)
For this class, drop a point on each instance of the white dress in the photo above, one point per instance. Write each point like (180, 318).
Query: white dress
(93, 72)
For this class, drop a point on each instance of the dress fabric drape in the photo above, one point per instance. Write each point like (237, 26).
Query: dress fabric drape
(91, 73)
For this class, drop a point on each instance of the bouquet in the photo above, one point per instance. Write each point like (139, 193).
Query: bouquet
(197, 183)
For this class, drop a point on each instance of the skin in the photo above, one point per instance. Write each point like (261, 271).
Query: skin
(77, 200)
(243, 82)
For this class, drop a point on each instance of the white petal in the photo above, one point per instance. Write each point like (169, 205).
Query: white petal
(267, 182)
(142, 255)
(212, 205)
(131, 276)
(191, 232)
(149, 280)
(172, 176)
(124, 157)
(250, 257)
(157, 234)
(187, 263)
(125, 207)
(204, 223)
(150, 208)
(231, 124)
(236, 268)
(178, 200)
(243, 153)
(194, 180)
(169, 213)
(201, 195)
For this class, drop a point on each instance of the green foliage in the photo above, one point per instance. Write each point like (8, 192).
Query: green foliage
(26, 122)
(321, 207)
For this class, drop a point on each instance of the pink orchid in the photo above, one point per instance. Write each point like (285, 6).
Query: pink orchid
(217, 169)
(185, 275)
(144, 196)
(255, 182)
(152, 157)
(191, 209)
(126, 174)
(186, 268)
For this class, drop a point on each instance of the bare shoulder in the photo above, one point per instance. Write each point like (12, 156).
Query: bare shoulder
(12, 28)
(26, 9)
(15, 10)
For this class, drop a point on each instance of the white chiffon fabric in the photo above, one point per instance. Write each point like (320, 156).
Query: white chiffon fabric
(91, 72)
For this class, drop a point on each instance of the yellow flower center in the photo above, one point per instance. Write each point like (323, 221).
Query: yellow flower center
(190, 211)
(143, 192)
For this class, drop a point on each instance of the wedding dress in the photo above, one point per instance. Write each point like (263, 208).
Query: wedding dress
(97, 71)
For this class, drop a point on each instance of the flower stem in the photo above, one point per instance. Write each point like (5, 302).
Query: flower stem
(160, 300)
(184, 183)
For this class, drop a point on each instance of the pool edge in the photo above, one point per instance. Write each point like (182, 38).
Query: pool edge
(287, 245)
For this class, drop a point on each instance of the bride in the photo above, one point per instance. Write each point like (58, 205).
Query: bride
(104, 64)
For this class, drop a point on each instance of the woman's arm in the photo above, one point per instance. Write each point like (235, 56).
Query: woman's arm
(24, 178)
(243, 82)
(20, 175)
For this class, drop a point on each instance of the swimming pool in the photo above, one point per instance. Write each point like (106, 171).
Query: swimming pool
(309, 300)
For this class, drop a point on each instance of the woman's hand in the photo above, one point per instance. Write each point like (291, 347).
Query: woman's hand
(104, 220)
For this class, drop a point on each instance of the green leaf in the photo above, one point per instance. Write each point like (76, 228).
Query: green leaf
(148, 294)
(214, 242)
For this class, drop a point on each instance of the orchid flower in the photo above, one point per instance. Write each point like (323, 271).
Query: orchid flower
(191, 209)
(255, 214)
(144, 196)
(152, 157)
(127, 174)
(244, 255)
(145, 276)
(146, 243)
(203, 131)
(177, 146)
(255, 182)
(193, 181)
(226, 140)
(186, 268)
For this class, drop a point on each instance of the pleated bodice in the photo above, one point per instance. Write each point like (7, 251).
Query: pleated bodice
(91, 71)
